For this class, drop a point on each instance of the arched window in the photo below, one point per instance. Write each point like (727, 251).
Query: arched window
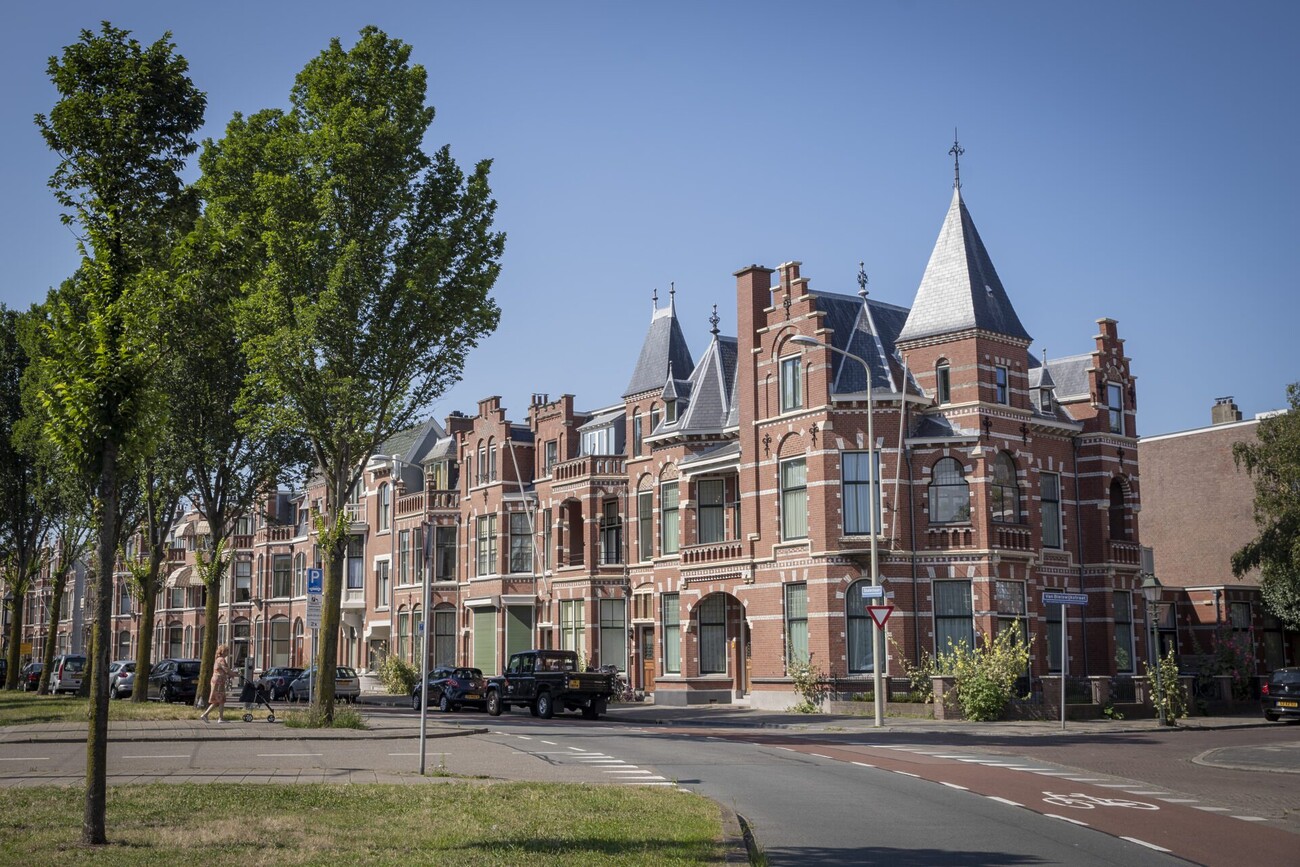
(654, 417)
(480, 470)
(1004, 494)
(300, 574)
(385, 502)
(492, 460)
(299, 656)
(124, 644)
(860, 628)
(942, 383)
(949, 493)
(636, 434)
(1118, 522)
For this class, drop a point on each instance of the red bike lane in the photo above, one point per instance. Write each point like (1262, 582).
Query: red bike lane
(1149, 816)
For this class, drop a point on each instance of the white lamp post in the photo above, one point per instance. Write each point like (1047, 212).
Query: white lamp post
(877, 642)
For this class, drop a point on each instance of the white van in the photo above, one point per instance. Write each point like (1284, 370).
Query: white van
(65, 675)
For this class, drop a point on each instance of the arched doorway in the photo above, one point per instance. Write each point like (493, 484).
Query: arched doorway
(722, 641)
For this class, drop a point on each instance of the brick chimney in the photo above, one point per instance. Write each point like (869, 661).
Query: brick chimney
(1224, 411)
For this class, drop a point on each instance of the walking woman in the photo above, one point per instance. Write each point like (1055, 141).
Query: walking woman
(217, 693)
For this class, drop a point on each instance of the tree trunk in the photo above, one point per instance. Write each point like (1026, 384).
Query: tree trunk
(54, 614)
(15, 634)
(93, 822)
(330, 618)
(144, 645)
(211, 606)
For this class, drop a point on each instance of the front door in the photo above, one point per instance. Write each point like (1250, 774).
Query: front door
(648, 659)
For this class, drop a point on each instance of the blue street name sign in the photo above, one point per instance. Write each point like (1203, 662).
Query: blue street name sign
(315, 580)
(873, 591)
(1065, 598)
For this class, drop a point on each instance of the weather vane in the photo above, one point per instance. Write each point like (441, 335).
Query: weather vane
(862, 280)
(714, 320)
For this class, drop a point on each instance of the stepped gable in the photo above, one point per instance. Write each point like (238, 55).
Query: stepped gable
(960, 290)
(663, 350)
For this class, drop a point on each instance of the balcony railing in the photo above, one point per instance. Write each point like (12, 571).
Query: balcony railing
(355, 512)
(1012, 538)
(944, 537)
(590, 465)
(1127, 553)
(279, 534)
(243, 541)
(410, 504)
(175, 555)
(712, 552)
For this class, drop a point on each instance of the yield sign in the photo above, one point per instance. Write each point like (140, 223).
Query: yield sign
(880, 614)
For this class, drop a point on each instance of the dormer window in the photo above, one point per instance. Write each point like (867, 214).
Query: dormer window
(670, 411)
(599, 441)
(1045, 400)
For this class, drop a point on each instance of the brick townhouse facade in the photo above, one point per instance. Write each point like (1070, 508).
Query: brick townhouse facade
(714, 524)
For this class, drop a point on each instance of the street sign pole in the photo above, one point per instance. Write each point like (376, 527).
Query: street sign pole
(424, 655)
(315, 587)
(1064, 599)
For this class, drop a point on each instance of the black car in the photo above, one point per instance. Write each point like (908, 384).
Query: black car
(1280, 696)
(453, 688)
(30, 677)
(174, 680)
(277, 680)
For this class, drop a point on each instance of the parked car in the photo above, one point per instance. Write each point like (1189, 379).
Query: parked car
(30, 677)
(347, 685)
(1280, 695)
(453, 688)
(4, 669)
(121, 677)
(65, 673)
(173, 680)
(277, 680)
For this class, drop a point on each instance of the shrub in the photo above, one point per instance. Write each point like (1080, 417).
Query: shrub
(810, 683)
(986, 675)
(397, 676)
(1166, 692)
(314, 718)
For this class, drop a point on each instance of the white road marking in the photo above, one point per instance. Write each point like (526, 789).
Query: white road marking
(906, 774)
(577, 749)
(275, 755)
(955, 786)
(28, 759)
(1000, 765)
(1179, 800)
(523, 737)
(603, 761)
(1054, 773)
(626, 771)
(648, 783)
(1114, 785)
(1084, 779)
(863, 765)
(1212, 809)
(1251, 818)
(1066, 819)
(1003, 801)
(1135, 792)
(962, 756)
(179, 756)
(819, 755)
(1145, 843)
(406, 754)
(550, 743)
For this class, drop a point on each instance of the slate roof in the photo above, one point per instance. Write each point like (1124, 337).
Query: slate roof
(711, 391)
(960, 289)
(1070, 375)
(664, 349)
(868, 331)
(603, 419)
(939, 427)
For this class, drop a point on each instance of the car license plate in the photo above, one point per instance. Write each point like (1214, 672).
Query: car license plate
(344, 683)
(575, 684)
(471, 695)
(1288, 704)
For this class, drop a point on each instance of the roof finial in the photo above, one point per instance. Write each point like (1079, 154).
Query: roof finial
(654, 298)
(672, 292)
(862, 280)
(956, 151)
(1044, 356)
(714, 320)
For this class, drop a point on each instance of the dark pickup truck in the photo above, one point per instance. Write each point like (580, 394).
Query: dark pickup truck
(545, 681)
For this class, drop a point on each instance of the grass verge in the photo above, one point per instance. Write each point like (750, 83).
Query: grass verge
(25, 708)
(313, 717)
(449, 823)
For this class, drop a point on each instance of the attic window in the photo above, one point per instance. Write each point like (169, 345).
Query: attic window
(670, 411)
(1045, 399)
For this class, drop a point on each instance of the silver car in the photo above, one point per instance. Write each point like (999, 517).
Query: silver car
(347, 685)
(121, 677)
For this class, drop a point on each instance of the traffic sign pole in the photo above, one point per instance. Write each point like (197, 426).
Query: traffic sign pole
(1064, 599)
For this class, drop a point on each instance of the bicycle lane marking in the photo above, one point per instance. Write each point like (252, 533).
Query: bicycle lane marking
(1185, 831)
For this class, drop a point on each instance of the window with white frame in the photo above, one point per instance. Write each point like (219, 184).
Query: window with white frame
(417, 555)
(710, 509)
(611, 533)
(1050, 489)
(1009, 599)
(861, 509)
(444, 554)
(552, 455)
(485, 545)
(1002, 377)
(599, 441)
(385, 506)
(1124, 659)
(548, 538)
(794, 499)
(942, 384)
(1004, 492)
(712, 613)
(572, 624)
(243, 580)
(669, 524)
(796, 623)
(645, 525)
(860, 631)
(1115, 406)
(521, 543)
(672, 631)
(356, 562)
(791, 383)
(403, 557)
(613, 633)
(383, 588)
(953, 615)
(949, 493)
(281, 576)
(636, 435)
(300, 574)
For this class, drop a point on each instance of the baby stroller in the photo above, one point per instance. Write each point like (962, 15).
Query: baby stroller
(253, 694)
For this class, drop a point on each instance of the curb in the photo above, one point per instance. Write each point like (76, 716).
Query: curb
(235, 735)
(738, 846)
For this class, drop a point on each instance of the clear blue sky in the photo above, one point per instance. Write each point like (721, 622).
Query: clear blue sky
(1127, 160)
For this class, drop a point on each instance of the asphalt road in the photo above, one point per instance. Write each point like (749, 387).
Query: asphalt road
(824, 797)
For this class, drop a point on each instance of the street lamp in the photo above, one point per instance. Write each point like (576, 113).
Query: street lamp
(1151, 590)
(877, 643)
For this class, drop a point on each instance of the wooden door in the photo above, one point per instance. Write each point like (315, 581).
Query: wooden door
(648, 659)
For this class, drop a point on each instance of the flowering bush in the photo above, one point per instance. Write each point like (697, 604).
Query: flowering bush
(985, 675)
(1231, 653)
(1166, 692)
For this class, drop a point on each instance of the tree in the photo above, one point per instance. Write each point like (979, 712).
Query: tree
(1273, 462)
(378, 260)
(25, 517)
(122, 128)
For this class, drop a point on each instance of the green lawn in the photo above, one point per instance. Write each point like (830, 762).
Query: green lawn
(22, 708)
(460, 823)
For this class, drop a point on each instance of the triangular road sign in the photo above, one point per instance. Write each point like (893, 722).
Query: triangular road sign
(880, 614)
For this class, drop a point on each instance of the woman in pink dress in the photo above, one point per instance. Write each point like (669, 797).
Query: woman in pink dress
(217, 693)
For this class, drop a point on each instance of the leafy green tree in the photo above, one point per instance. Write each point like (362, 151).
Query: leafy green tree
(25, 516)
(377, 264)
(1273, 462)
(122, 128)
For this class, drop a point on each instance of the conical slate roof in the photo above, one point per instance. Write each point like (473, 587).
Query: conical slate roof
(664, 350)
(960, 289)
